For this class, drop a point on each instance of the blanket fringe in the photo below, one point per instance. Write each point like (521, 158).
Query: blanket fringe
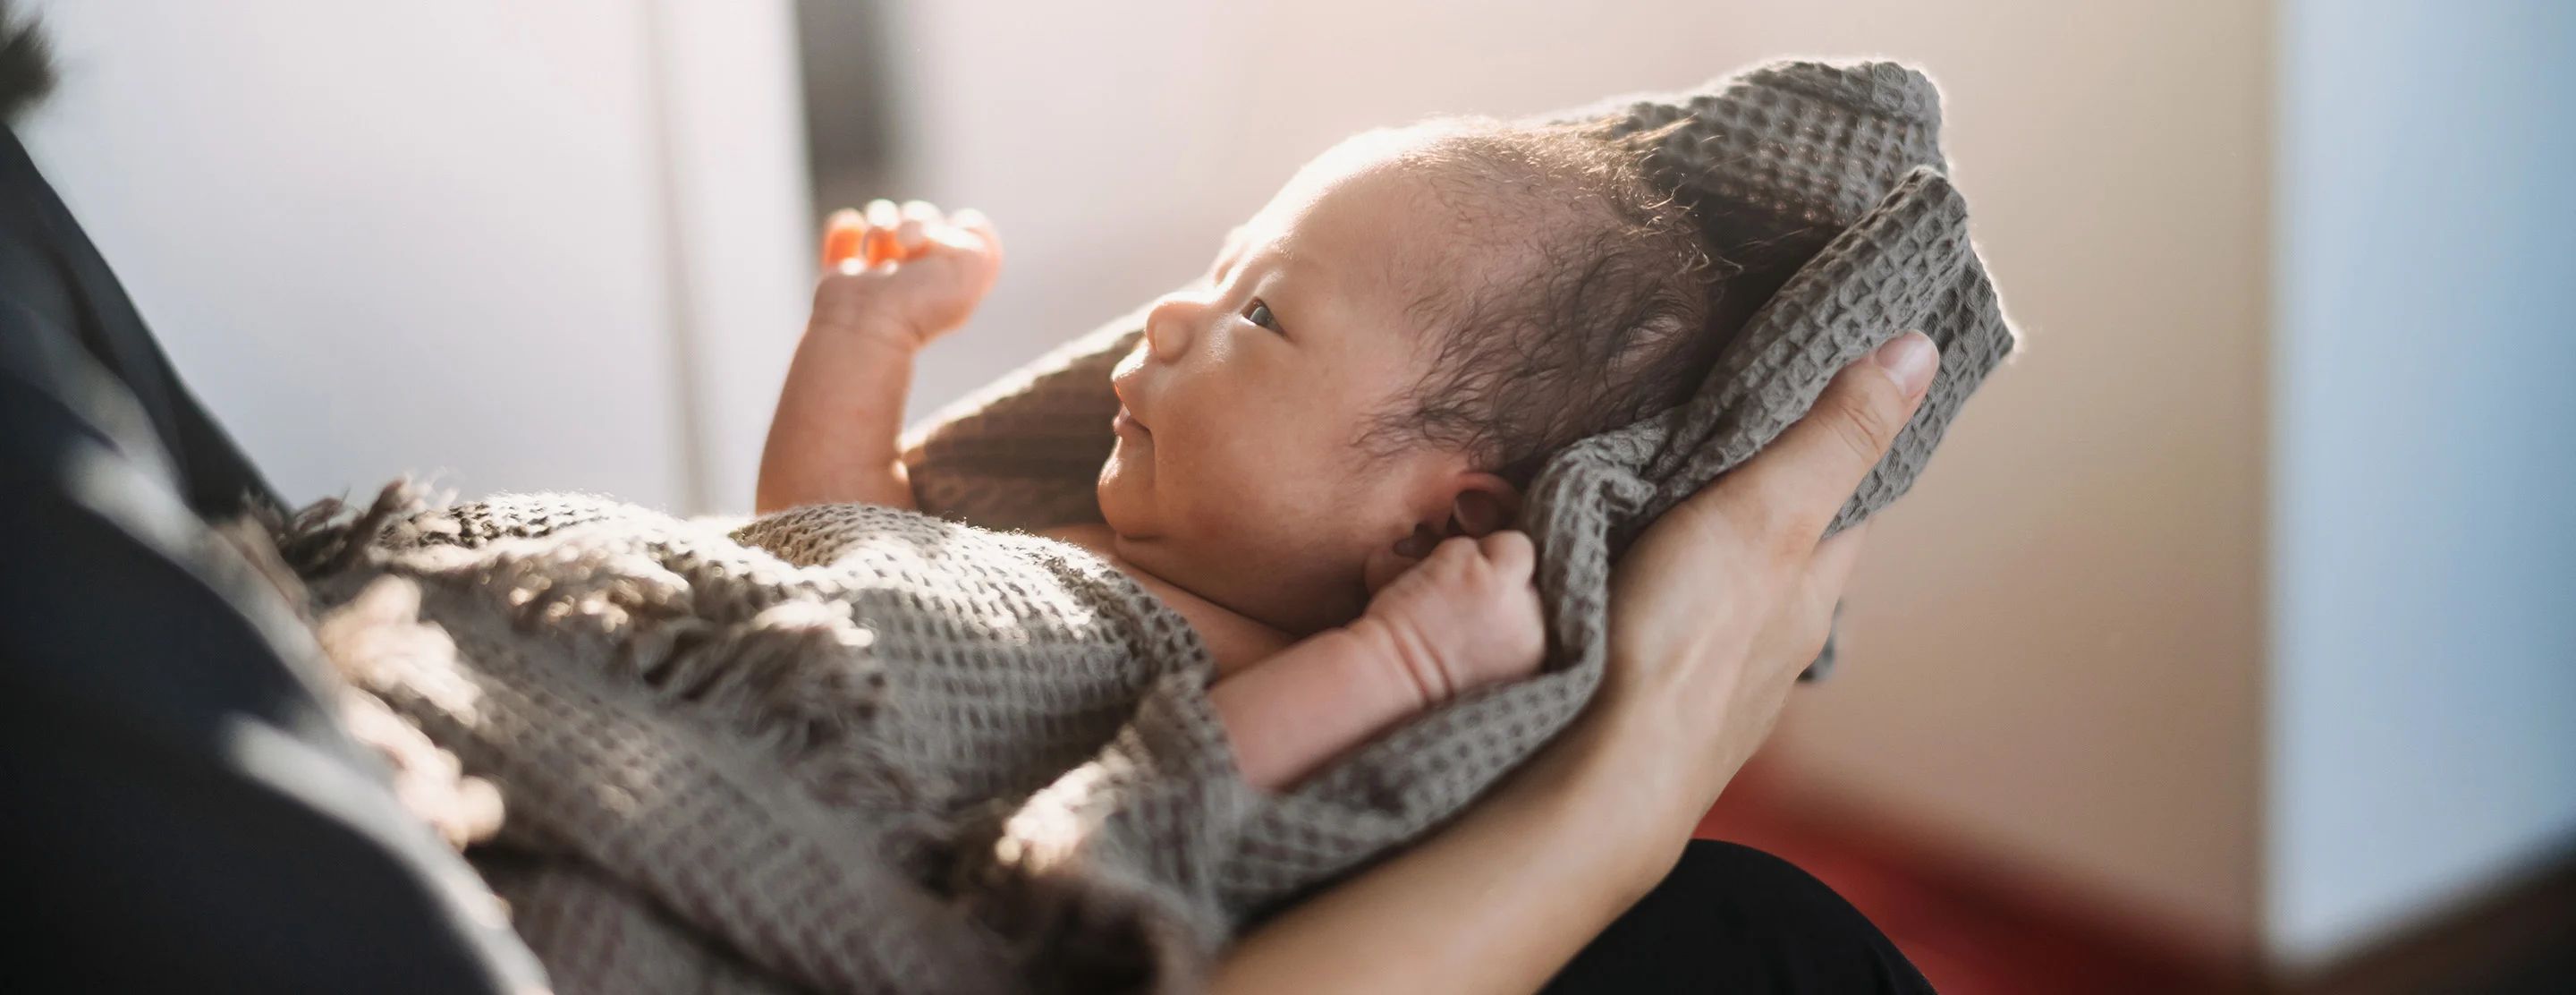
(375, 640)
(367, 642)
(330, 536)
(794, 678)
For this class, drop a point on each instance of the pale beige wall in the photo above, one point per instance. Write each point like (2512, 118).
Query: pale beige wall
(2055, 644)
(2053, 648)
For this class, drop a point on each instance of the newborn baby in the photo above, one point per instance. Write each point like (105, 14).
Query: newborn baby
(1321, 445)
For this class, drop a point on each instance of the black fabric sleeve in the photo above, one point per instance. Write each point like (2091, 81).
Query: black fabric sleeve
(184, 813)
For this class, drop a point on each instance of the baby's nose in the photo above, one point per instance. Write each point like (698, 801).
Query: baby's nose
(1170, 324)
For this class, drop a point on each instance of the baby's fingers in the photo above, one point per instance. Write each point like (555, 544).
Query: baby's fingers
(974, 221)
(919, 216)
(853, 240)
(1510, 552)
(842, 238)
(969, 231)
(965, 259)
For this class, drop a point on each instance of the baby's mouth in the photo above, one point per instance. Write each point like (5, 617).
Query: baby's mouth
(1121, 381)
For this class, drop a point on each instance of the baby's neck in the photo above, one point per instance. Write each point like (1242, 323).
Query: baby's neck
(1233, 639)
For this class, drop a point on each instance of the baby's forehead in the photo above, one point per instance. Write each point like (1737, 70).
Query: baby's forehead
(1408, 176)
(1414, 219)
(1394, 231)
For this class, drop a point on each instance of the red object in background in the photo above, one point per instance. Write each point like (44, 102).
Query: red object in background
(1968, 929)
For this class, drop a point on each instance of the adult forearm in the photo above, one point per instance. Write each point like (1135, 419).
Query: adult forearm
(1497, 901)
(833, 437)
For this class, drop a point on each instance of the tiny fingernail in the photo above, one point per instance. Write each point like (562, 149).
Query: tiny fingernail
(1909, 360)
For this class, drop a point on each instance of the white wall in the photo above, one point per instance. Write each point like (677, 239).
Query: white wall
(2054, 644)
(743, 239)
(2423, 687)
(442, 238)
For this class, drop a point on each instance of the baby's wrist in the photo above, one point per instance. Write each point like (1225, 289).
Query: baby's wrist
(876, 329)
(1406, 659)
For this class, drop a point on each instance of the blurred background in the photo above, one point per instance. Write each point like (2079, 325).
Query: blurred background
(2230, 643)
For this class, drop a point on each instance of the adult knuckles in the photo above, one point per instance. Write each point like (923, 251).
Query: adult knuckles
(1748, 523)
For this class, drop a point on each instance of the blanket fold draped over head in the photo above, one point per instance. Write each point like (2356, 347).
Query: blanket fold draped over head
(857, 749)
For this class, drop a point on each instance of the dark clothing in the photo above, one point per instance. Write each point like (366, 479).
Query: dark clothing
(1731, 918)
(185, 814)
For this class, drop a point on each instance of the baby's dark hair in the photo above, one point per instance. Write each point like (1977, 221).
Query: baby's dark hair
(1600, 301)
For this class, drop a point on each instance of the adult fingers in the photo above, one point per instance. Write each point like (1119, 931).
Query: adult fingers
(1790, 490)
(1831, 568)
(1827, 573)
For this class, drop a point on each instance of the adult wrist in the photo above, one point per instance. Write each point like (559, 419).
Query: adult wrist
(1625, 799)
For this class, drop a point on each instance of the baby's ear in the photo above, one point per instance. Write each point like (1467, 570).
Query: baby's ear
(1481, 504)
(1485, 504)
(1388, 562)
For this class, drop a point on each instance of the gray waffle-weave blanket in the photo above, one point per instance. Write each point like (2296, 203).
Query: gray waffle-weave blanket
(856, 749)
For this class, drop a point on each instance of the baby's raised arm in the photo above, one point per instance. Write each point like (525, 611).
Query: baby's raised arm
(893, 280)
(1466, 616)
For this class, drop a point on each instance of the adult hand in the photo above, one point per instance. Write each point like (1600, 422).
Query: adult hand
(1726, 598)
(1712, 614)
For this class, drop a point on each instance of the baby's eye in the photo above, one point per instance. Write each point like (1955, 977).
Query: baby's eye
(1259, 313)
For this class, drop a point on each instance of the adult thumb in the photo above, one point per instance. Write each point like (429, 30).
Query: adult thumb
(1793, 487)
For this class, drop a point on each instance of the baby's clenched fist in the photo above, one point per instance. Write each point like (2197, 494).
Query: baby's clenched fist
(911, 273)
(1466, 616)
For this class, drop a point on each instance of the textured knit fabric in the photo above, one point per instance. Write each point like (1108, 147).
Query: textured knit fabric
(868, 750)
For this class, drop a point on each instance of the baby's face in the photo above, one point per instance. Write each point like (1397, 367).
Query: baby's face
(1239, 472)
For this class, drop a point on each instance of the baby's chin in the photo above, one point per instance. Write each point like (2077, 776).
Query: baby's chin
(1136, 534)
(1122, 499)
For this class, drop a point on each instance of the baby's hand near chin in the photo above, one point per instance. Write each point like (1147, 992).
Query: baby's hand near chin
(1464, 617)
(911, 273)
